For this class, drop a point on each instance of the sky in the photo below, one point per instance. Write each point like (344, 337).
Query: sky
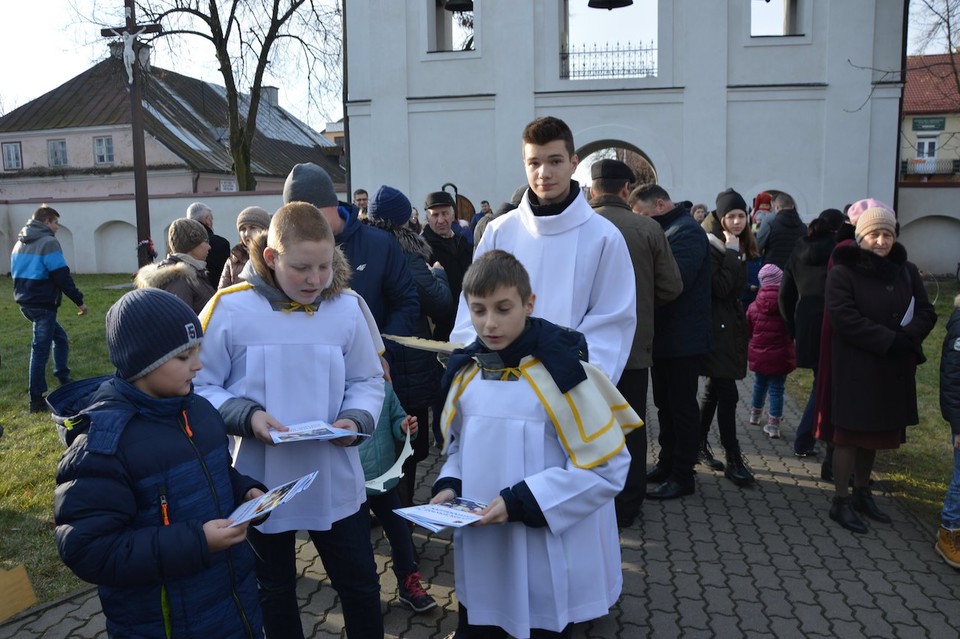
(32, 68)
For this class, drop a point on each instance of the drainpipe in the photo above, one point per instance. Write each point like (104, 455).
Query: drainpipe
(903, 81)
(196, 180)
(345, 94)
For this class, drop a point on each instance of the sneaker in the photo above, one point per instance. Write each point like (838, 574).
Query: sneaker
(411, 592)
(38, 404)
(772, 429)
(948, 546)
(755, 415)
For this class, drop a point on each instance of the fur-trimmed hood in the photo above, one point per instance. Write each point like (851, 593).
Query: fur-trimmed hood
(159, 275)
(339, 282)
(410, 241)
(870, 264)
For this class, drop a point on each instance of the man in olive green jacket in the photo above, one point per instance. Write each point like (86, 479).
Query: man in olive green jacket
(657, 281)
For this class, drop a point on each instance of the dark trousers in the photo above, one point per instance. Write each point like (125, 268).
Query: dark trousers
(46, 332)
(805, 440)
(633, 387)
(720, 397)
(675, 395)
(397, 532)
(346, 554)
(466, 631)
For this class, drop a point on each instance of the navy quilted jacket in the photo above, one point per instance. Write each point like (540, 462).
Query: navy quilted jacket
(134, 488)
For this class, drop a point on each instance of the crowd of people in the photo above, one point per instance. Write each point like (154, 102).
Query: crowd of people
(538, 406)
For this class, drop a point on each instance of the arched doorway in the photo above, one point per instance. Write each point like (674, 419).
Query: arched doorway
(628, 153)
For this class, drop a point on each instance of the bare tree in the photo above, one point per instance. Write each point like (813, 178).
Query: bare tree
(937, 24)
(298, 39)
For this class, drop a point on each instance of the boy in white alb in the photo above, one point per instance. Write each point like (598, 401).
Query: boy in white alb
(578, 261)
(537, 434)
(290, 345)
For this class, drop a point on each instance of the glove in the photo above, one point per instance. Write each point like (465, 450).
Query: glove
(902, 345)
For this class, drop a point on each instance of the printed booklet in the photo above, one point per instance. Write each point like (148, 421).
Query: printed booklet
(317, 429)
(256, 508)
(456, 513)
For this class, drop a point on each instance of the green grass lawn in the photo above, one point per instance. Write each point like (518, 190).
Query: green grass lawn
(29, 449)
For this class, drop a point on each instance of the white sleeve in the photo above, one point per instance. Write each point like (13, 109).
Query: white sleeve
(568, 494)
(210, 383)
(364, 376)
(463, 330)
(611, 320)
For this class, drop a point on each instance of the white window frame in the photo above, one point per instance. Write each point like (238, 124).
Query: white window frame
(924, 142)
(57, 153)
(12, 156)
(440, 29)
(103, 149)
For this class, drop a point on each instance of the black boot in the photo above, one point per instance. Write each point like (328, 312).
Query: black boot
(826, 468)
(705, 457)
(842, 512)
(863, 503)
(737, 470)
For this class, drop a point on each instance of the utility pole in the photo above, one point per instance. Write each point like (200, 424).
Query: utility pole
(131, 49)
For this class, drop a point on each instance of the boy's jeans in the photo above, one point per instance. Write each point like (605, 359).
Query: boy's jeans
(950, 517)
(46, 330)
(775, 384)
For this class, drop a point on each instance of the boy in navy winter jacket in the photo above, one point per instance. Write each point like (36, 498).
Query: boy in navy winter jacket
(146, 486)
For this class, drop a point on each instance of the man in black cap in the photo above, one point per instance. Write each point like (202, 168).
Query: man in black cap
(657, 281)
(450, 250)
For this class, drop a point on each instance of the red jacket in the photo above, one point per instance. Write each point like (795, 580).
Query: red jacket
(771, 350)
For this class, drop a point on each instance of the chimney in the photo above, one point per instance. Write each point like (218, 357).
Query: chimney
(271, 95)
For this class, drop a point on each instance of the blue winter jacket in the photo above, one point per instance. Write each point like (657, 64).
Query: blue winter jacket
(134, 488)
(40, 272)
(682, 328)
(379, 273)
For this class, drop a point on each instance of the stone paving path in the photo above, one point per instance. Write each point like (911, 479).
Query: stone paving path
(725, 562)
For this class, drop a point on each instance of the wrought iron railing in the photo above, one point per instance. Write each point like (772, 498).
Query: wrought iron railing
(597, 62)
(929, 166)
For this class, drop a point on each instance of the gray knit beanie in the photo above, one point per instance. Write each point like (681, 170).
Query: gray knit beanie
(185, 235)
(254, 216)
(146, 328)
(311, 184)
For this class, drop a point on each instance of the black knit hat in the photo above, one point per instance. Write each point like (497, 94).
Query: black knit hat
(146, 328)
(390, 205)
(730, 200)
(311, 184)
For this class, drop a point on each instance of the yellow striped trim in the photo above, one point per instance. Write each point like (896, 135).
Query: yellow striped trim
(457, 387)
(212, 304)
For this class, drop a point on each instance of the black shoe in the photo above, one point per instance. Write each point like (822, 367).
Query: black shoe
(705, 457)
(670, 490)
(737, 470)
(658, 474)
(626, 516)
(63, 381)
(863, 503)
(810, 452)
(38, 404)
(842, 512)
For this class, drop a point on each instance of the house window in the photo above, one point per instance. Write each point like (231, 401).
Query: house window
(57, 152)
(775, 18)
(449, 30)
(927, 147)
(103, 150)
(11, 156)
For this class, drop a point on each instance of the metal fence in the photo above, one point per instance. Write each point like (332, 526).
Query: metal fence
(929, 166)
(597, 62)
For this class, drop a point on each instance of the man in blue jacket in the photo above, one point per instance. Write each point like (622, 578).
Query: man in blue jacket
(40, 278)
(682, 334)
(380, 272)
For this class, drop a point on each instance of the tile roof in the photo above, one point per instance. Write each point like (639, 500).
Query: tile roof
(931, 85)
(187, 115)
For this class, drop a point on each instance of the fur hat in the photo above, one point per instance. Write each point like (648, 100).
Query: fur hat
(770, 275)
(763, 201)
(254, 216)
(612, 170)
(311, 184)
(439, 198)
(730, 200)
(875, 219)
(860, 206)
(185, 235)
(146, 328)
(390, 205)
